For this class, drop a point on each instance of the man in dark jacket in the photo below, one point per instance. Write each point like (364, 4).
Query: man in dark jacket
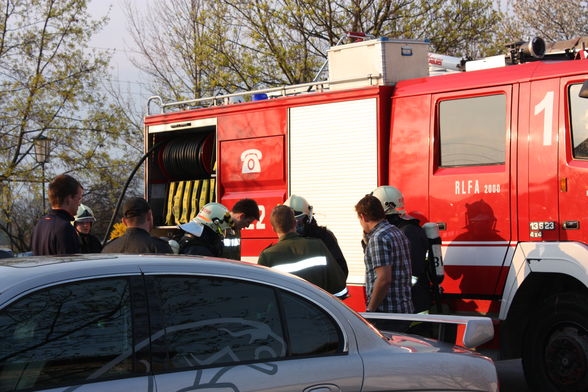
(83, 224)
(307, 258)
(138, 218)
(53, 234)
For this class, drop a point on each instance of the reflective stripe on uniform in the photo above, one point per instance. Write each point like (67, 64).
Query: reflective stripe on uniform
(302, 264)
(232, 242)
(342, 293)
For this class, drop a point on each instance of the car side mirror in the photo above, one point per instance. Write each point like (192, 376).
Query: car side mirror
(584, 90)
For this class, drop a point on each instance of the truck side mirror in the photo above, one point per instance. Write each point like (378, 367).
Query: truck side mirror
(584, 90)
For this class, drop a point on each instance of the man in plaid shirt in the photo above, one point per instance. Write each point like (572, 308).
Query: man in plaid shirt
(387, 263)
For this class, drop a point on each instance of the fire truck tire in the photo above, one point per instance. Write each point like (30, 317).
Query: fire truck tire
(555, 345)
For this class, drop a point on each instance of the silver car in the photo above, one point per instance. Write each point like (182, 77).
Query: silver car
(168, 323)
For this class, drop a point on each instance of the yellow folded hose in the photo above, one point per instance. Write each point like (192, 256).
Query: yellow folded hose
(170, 204)
(195, 199)
(178, 197)
(186, 202)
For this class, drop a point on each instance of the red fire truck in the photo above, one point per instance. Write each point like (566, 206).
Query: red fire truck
(497, 158)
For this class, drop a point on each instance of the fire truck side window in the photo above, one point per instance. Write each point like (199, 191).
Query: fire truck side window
(472, 131)
(579, 122)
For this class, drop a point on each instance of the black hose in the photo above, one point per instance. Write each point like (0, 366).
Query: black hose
(124, 190)
(184, 158)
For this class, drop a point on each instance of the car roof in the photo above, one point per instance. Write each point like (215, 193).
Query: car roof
(32, 272)
(19, 276)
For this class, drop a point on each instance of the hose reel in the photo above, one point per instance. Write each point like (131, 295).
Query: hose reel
(188, 157)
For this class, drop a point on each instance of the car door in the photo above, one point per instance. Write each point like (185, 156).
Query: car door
(223, 334)
(76, 336)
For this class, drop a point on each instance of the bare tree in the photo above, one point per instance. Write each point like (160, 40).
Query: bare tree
(176, 41)
(553, 20)
(50, 86)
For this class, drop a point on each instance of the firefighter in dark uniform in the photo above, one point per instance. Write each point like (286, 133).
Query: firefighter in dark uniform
(243, 213)
(54, 234)
(138, 218)
(307, 258)
(307, 226)
(393, 203)
(83, 224)
(203, 235)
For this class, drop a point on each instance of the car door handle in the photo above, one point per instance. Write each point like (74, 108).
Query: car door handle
(442, 225)
(323, 388)
(571, 225)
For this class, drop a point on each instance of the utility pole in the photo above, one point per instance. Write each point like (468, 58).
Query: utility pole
(42, 144)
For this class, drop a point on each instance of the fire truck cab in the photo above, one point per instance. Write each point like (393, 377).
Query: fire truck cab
(497, 158)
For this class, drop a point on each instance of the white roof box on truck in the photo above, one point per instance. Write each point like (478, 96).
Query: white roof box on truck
(376, 62)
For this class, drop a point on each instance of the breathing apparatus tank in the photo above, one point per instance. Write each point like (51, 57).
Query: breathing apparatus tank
(435, 256)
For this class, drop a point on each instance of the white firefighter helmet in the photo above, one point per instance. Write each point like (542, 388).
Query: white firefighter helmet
(391, 199)
(299, 205)
(84, 214)
(214, 215)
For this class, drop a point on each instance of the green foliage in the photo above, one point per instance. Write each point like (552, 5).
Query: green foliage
(50, 86)
(234, 45)
(464, 28)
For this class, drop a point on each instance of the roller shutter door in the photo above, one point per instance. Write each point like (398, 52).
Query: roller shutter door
(333, 161)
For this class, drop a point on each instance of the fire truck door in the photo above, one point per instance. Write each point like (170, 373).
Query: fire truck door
(573, 160)
(538, 162)
(470, 186)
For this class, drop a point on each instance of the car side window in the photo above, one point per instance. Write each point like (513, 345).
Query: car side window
(66, 334)
(311, 331)
(210, 321)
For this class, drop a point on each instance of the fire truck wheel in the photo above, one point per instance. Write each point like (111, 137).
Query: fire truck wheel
(555, 346)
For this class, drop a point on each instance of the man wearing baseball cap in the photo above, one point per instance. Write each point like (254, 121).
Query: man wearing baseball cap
(138, 218)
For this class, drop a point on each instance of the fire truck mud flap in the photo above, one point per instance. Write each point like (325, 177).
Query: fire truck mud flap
(555, 345)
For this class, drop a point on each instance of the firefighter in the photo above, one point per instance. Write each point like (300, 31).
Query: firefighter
(243, 214)
(393, 203)
(307, 226)
(83, 224)
(203, 235)
(307, 258)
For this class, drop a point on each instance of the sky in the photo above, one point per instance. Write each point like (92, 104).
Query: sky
(114, 36)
